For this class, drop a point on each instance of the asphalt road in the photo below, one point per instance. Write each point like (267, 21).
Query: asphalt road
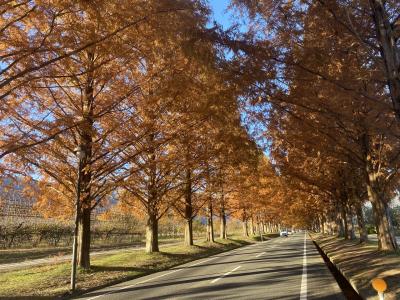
(283, 268)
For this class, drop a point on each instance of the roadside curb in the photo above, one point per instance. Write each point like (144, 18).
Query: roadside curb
(368, 295)
(329, 256)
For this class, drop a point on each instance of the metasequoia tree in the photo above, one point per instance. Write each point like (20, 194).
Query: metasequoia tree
(286, 20)
(329, 100)
(360, 119)
(326, 139)
(254, 188)
(204, 83)
(210, 150)
(153, 174)
(97, 89)
(78, 163)
(167, 118)
(191, 146)
(231, 145)
(30, 45)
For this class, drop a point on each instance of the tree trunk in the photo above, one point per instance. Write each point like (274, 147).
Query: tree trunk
(189, 232)
(332, 224)
(84, 239)
(343, 216)
(222, 234)
(386, 235)
(389, 51)
(188, 210)
(85, 154)
(339, 221)
(350, 225)
(260, 232)
(244, 222)
(316, 226)
(262, 227)
(210, 223)
(361, 223)
(245, 228)
(152, 233)
(323, 224)
(252, 229)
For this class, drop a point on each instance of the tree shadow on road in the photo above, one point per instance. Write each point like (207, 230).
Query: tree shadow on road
(26, 298)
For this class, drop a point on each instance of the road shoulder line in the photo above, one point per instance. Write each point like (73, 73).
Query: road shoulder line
(303, 289)
(226, 274)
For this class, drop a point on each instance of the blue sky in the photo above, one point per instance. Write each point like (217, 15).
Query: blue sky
(226, 18)
(219, 12)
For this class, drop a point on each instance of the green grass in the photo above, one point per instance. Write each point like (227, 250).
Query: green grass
(53, 280)
(266, 236)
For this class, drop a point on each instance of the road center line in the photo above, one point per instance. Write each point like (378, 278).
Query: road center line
(226, 274)
(303, 289)
(259, 254)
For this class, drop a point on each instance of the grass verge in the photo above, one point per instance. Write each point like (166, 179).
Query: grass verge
(266, 236)
(53, 280)
(19, 255)
(360, 263)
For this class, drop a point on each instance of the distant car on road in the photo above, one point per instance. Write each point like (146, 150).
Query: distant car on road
(290, 232)
(283, 233)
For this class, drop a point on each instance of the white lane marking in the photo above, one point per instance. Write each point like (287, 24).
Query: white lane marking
(135, 284)
(303, 289)
(162, 275)
(226, 274)
(147, 280)
(259, 254)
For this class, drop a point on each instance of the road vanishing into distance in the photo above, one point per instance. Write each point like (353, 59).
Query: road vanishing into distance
(282, 268)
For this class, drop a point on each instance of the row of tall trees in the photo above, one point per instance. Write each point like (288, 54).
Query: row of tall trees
(136, 104)
(123, 103)
(333, 119)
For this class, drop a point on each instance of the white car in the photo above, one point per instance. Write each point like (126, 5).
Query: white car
(283, 233)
